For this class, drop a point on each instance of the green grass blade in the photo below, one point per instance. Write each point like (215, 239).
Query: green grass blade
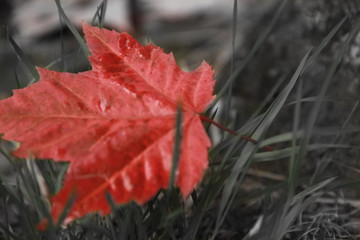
(351, 114)
(4, 229)
(27, 62)
(18, 85)
(60, 177)
(100, 14)
(287, 152)
(32, 190)
(326, 40)
(227, 103)
(315, 98)
(326, 131)
(231, 139)
(295, 163)
(268, 97)
(62, 45)
(25, 220)
(177, 149)
(278, 229)
(279, 102)
(251, 54)
(206, 196)
(332, 70)
(69, 203)
(311, 190)
(229, 191)
(73, 29)
(335, 64)
(234, 32)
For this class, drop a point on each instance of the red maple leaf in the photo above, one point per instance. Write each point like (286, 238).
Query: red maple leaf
(114, 124)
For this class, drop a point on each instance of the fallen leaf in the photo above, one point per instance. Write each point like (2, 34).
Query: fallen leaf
(114, 124)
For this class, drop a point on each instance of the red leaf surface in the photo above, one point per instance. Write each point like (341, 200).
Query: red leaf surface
(114, 124)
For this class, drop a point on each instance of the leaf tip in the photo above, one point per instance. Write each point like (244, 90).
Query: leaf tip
(85, 25)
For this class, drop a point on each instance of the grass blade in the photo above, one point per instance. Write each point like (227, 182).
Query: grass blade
(177, 149)
(316, 109)
(287, 152)
(27, 62)
(326, 131)
(251, 54)
(73, 29)
(311, 190)
(295, 163)
(229, 192)
(100, 14)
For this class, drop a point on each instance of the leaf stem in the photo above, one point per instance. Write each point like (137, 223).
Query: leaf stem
(249, 139)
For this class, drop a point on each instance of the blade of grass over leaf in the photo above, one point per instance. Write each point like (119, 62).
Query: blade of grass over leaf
(177, 147)
(30, 163)
(73, 29)
(27, 62)
(229, 192)
(111, 202)
(47, 171)
(254, 49)
(70, 202)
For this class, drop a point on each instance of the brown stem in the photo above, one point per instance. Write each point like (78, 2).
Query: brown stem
(249, 139)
